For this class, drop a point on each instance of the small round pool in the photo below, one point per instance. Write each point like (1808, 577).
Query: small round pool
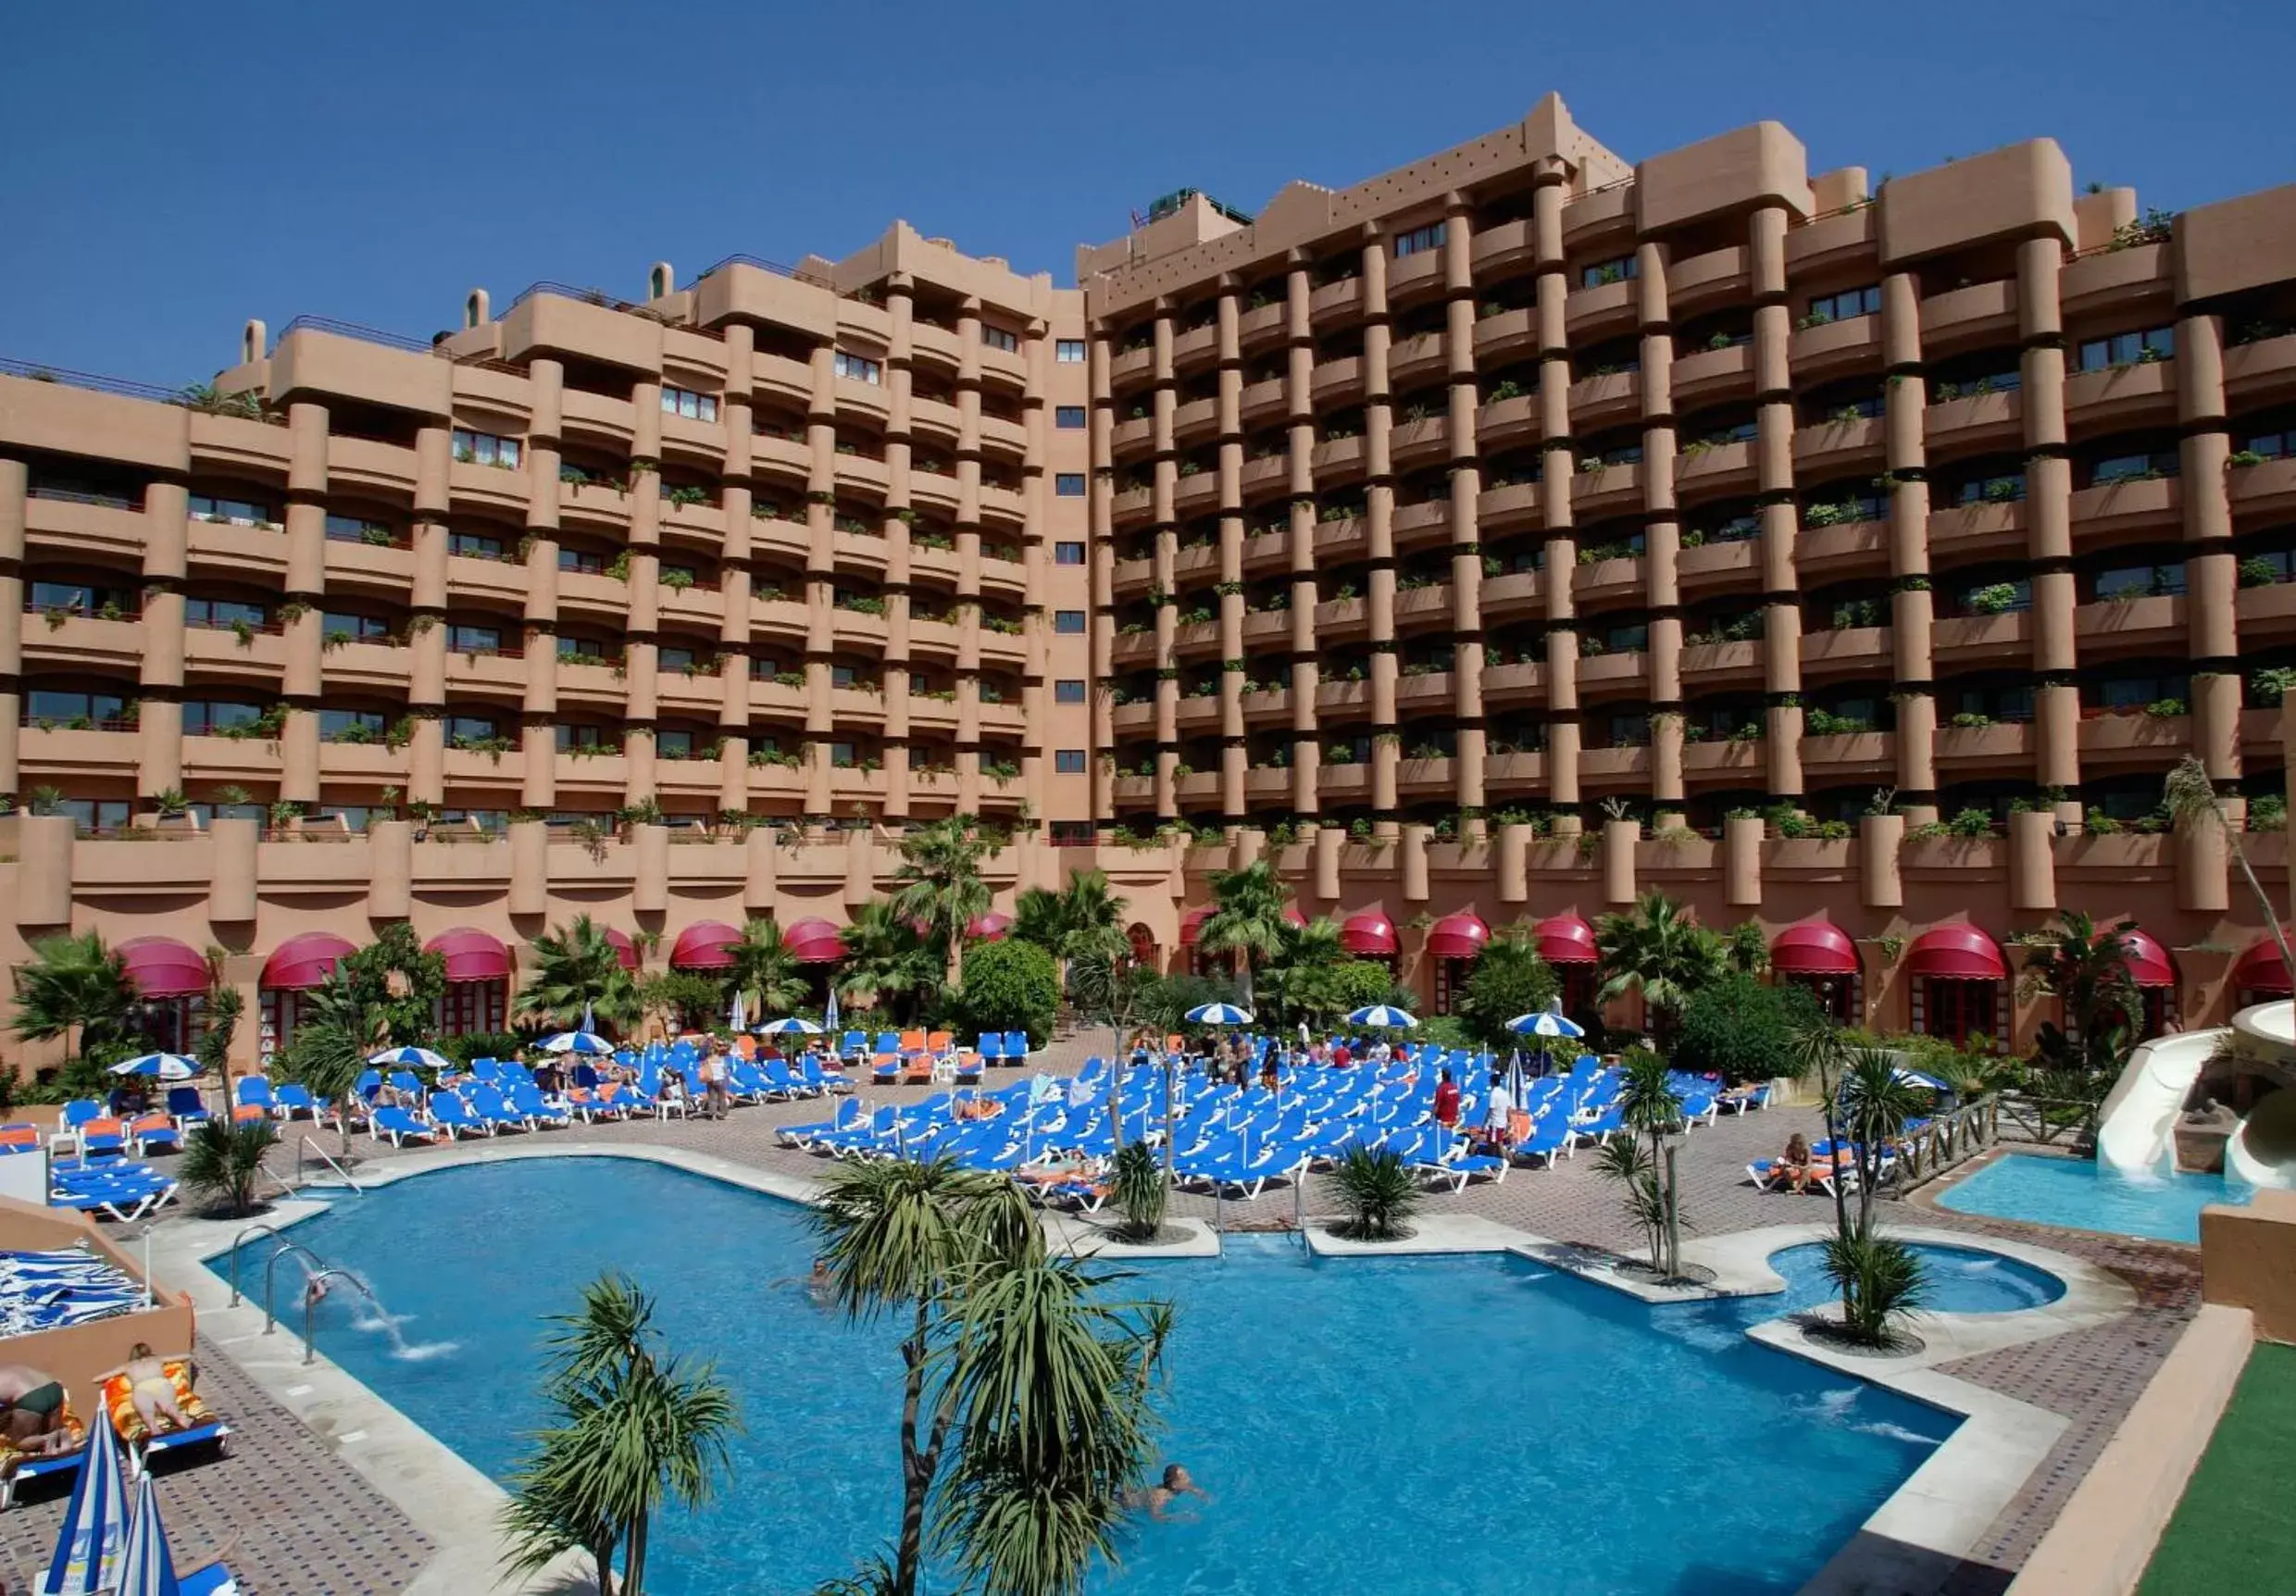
(1960, 1279)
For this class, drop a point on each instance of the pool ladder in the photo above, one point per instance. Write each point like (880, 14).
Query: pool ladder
(312, 1278)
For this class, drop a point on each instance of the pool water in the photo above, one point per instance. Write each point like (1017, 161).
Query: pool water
(1466, 1425)
(2080, 1195)
(1955, 1280)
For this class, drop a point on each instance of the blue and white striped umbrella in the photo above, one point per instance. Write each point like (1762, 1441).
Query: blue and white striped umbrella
(795, 1024)
(146, 1568)
(1380, 1013)
(95, 1522)
(578, 1042)
(1217, 1013)
(167, 1065)
(411, 1058)
(1546, 1022)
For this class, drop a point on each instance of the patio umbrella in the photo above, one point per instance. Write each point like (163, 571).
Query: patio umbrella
(578, 1042)
(1380, 1013)
(828, 1017)
(166, 1066)
(95, 1522)
(411, 1058)
(1217, 1013)
(795, 1024)
(1546, 1022)
(740, 1015)
(146, 1568)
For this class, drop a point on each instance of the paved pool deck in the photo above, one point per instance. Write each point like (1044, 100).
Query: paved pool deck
(309, 1441)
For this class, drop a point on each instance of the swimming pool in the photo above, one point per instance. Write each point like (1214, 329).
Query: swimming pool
(1470, 1425)
(1956, 1280)
(2080, 1195)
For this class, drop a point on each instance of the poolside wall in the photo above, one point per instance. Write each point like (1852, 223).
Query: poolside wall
(2248, 1260)
(2102, 1541)
(78, 1355)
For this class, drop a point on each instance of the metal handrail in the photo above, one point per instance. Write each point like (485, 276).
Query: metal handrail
(304, 1145)
(36, 372)
(250, 1230)
(352, 330)
(312, 1293)
(271, 1267)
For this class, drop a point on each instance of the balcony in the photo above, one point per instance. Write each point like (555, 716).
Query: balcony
(1977, 640)
(1710, 471)
(1852, 651)
(1614, 767)
(66, 642)
(254, 656)
(1607, 491)
(1343, 783)
(1514, 772)
(2117, 280)
(1607, 583)
(1717, 568)
(1272, 708)
(1822, 448)
(85, 528)
(2134, 509)
(1338, 384)
(1427, 778)
(2132, 626)
(1837, 552)
(1607, 399)
(1712, 375)
(1724, 760)
(1977, 534)
(1508, 337)
(1972, 318)
(1711, 667)
(1412, 361)
(2260, 373)
(1591, 315)
(1834, 349)
(1848, 757)
(2005, 749)
(2119, 400)
(1718, 277)
(1429, 692)
(2262, 492)
(1979, 423)
(89, 753)
(2136, 740)
(1614, 674)
(1510, 685)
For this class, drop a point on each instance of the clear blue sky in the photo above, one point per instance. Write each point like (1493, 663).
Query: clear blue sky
(169, 169)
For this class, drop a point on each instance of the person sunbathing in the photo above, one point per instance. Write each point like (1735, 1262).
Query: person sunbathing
(1794, 1165)
(150, 1391)
(31, 1412)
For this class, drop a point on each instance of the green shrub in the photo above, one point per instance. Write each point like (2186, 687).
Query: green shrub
(1743, 1030)
(1010, 985)
(479, 1044)
(1509, 979)
(1378, 1190)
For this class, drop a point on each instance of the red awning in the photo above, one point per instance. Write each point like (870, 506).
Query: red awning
(1958, 952)
(814, 942)
(704, 946)
(1192, 922)
(988, 927)
(1813, 948)
(1565, 940)
(2149, 964)
(1292, 918)
(1368, 932)
(471, 955)
(162, 968)
(2260, 969)
(303, 962)
(1459, 936)
(624, 949)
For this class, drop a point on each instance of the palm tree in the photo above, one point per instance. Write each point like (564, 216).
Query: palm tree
(1302, 950)
(1081, 920)
(765, 968)
(2191, 798)
(637, 1428)
(940, 885)
(73, 983)
(224, 1158)
(904, 1237)
(885, 958)
(2087, 971)
(329, 1054)
(1246, 921)
(1040, 915)
(1659, 951)
(1879, 1275)
(577, 966)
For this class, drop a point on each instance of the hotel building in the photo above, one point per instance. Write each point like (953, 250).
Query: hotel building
(1489, 541)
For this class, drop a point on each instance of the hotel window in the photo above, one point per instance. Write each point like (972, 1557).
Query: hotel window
(687, 402)
(336, 627)
(675, 659)
(997, 338)
(582, 561)
(1068, 762)
(350, 726)
(484, 448)
(357, 529)
(858, 369)
(841, 675)
(1067, 692)
(2006, 489)
(1620, 270)
(841, 754)
(90, 814)
(2141, 582)
(474, 640)
(208, 715)
(580, 648)
(475, 545)
(2272, 445)
(223, 614)
(1843, 306)
(573, 737)
(1068, 484)
(1420, 240)
(2144, 348)
(238, 512)
(1068, 351)
(1068, 418)
(919, 682)
(46, 707)
(80, 598)
(1072, 834)
(674, 745)
(1067, 554)
(2134, 468)
(1068, 622)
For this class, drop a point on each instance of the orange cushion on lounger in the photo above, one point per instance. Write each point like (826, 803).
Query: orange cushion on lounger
(118, 1400)
(152, 1122)
(912, 1042)
(246, 1111)
(19, 1135)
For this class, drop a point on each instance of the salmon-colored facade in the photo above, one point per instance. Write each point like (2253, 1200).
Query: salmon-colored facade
(1583, 509)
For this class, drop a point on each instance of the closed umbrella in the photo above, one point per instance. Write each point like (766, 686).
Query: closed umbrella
(410, 1058)
(828, 1018)
(589, 1020)
(739, 1016)
(166, 1066)
(146, 1568)
(95, 1522)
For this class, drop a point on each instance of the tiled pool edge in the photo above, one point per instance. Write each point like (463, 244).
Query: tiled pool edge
(1908, 1546)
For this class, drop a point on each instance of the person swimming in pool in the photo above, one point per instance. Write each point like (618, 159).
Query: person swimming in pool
(820, 1286)
(1160, 1496)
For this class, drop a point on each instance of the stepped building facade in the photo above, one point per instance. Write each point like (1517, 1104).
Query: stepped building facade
(1489, 541)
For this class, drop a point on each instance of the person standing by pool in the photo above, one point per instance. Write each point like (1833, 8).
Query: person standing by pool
(1496, 1110)
(1446, 1100)
(715, 1099)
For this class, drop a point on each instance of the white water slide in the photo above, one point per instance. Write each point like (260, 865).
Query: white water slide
(2137, 1133)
